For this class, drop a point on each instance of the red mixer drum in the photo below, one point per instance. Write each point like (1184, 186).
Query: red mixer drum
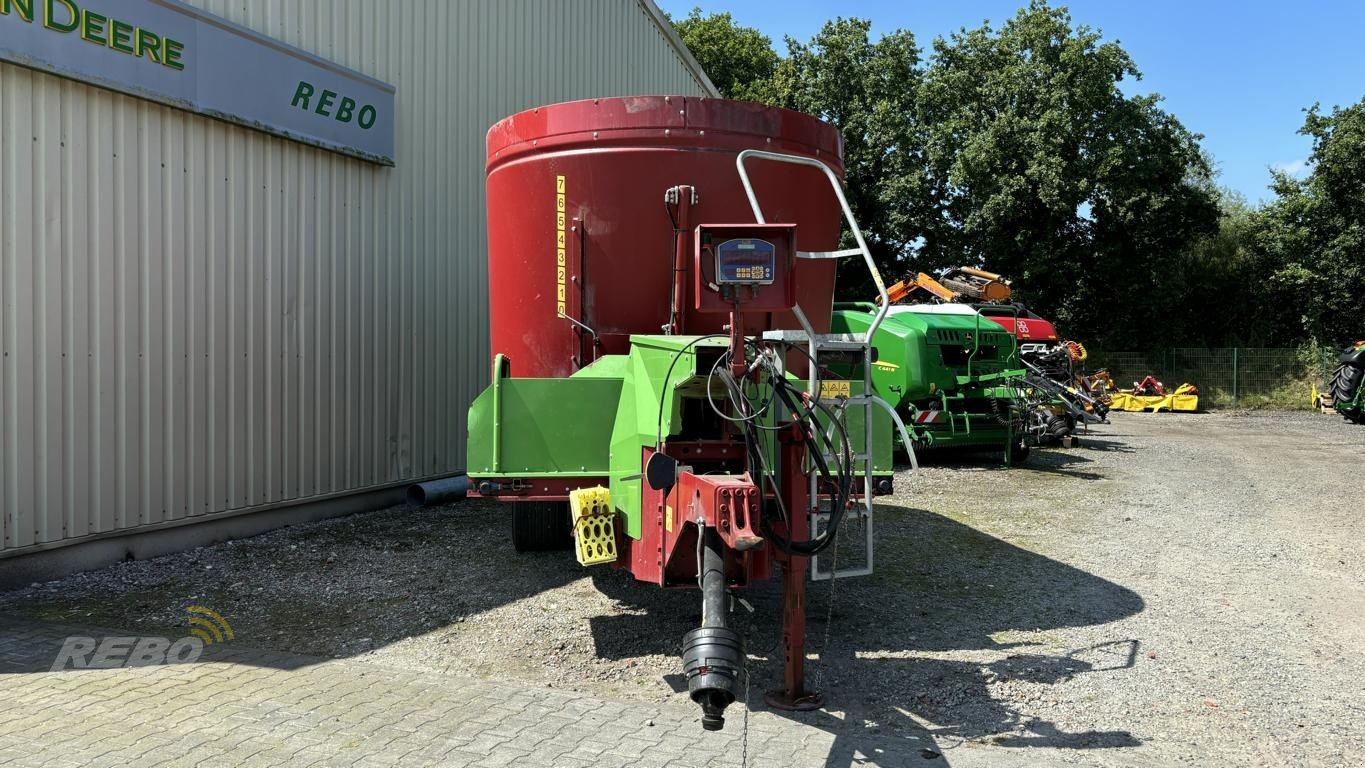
(581, 244)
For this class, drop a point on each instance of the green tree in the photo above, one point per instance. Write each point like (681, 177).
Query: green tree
(1221, 270)
(867, 89)
(739, 60)
(1311, 238)
(1044, 170)
(1012, 148)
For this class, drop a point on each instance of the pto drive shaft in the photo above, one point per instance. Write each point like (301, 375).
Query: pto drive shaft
(713, 654)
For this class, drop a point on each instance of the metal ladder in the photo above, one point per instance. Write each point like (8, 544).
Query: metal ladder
(835, 342)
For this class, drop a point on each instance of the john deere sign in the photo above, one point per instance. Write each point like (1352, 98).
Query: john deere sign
(166, 51)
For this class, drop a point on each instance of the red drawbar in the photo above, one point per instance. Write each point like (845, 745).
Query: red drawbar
(666, 552)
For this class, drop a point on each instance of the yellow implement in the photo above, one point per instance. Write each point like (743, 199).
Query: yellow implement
(1185, 398)
(594, 525)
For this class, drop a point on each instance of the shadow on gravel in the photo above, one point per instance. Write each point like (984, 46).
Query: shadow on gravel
(332, 589)
(940, 586)
(347, 586)
(1092, 443)
(1059, 463)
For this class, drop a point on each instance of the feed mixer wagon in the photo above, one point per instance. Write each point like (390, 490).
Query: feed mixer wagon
(661, 278)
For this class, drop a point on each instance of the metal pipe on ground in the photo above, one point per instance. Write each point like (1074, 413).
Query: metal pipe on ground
(438, 491)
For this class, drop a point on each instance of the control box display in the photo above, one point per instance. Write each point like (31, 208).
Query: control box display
(747, 268)
(746, 261)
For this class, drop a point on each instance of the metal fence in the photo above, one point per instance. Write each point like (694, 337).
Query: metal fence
(1236, 377)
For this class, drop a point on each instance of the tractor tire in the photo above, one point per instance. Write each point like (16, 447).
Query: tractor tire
(1347, 383)
(1019, 454)
(540, 526)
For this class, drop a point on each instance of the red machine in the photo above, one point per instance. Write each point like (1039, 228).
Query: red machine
(576, 193)
(1035, 334)
(644, 314)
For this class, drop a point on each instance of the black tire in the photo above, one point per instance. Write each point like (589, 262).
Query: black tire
(1347, 383)
(1060, 425)
(1019, 454)
(540, 526)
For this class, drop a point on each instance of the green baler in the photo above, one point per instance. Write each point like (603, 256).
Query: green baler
(950, 372)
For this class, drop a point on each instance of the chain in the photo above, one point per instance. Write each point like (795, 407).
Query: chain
(744, 731)
(829, 602)
(744, 748)
(818, 672)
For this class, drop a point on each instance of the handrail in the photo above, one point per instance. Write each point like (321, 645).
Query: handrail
(866, 396)
(780, 157)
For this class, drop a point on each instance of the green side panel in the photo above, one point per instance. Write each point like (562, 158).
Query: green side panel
(903, 372)
(599, 421)
(649, 407)
(608, 367)
(921, 355)
(543, 427)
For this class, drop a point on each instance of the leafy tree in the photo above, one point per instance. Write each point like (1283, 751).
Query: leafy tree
(1044, 170)
(1311, 238)
(737, 59)
(1222, 272)
(867, 89)
(1012, 148)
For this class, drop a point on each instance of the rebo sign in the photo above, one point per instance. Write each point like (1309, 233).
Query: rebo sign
(166, 51)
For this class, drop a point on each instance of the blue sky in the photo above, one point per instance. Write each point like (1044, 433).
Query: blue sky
(1240, 73)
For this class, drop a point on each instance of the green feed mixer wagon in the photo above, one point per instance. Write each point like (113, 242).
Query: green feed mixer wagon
(661, 281)
(952, 374)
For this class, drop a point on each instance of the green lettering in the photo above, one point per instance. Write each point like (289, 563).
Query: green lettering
(49, 21)
(120, 36)
(303, 93)
(149, 44)
(170, 53)
(346, 109)
(324, 101)
(362, 121)
(92, 27)
(25, 8)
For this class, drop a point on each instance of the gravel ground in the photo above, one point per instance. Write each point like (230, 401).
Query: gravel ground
(1179, 590)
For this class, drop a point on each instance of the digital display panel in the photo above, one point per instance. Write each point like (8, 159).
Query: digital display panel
(745, 261)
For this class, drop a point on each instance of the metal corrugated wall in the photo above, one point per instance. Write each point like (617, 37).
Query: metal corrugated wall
(199, 319)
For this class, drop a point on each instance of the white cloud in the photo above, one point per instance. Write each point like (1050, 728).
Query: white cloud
(1294, 168)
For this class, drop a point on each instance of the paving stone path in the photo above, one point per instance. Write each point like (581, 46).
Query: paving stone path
(238, 706)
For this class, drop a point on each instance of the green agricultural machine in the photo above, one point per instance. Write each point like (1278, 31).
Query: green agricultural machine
(1348, 384)
(661, 395)
(952, 374)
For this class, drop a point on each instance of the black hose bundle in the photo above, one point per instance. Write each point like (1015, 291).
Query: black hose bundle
(803, 408)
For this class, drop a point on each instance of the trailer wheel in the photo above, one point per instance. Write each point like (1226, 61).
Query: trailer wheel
(1019, 454)
(540, 526)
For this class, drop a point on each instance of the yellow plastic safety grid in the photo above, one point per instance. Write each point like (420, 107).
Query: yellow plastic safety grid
(594, 525)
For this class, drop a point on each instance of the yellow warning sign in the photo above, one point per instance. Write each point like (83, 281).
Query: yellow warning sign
(833, 390)
(559, 244)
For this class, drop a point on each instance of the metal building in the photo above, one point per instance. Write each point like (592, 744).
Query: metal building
(200, 319)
